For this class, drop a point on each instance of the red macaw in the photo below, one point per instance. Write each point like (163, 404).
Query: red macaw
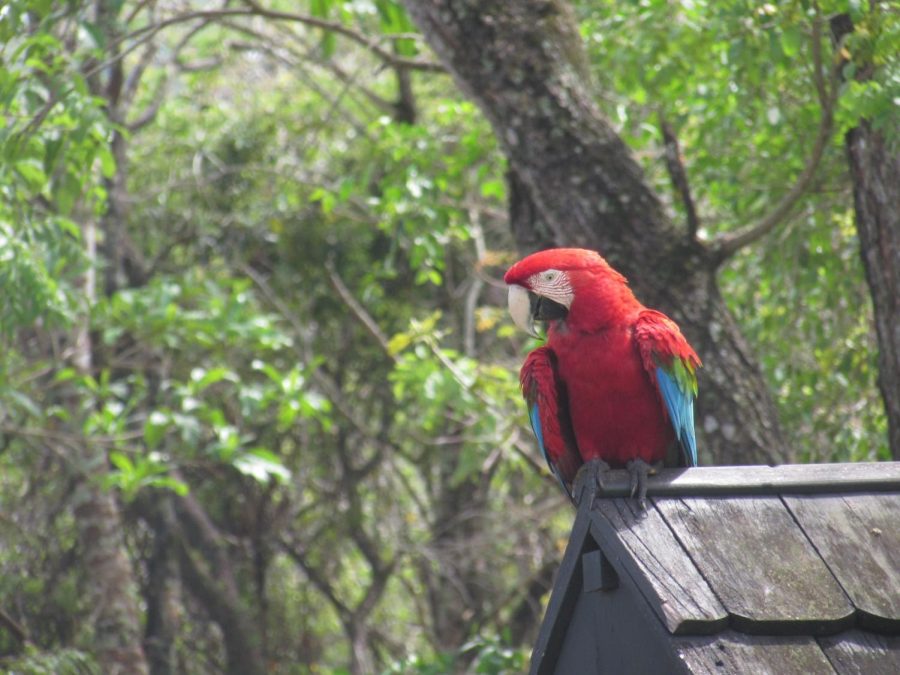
(615, 384)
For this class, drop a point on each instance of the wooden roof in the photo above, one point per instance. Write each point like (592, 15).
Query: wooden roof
(791, 569)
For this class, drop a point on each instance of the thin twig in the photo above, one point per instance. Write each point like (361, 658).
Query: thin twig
(726, 245)
(146, 33)
(319, 580)
(14, 626)
(358, 310)
(298, 64)
(385, 55)
(474, 291)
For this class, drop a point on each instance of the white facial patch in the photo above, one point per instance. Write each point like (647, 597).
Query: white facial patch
(553, 285)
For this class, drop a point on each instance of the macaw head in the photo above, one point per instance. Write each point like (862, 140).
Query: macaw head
(574, 285)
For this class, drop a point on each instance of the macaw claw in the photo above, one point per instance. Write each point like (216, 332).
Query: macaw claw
(590, 476)
(639, 470)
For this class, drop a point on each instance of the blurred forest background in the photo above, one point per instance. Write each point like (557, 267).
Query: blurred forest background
(258, 389)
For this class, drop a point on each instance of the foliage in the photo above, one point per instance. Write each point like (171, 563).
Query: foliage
(299, 330)
(482, 656)
(734, 79)
(62, 662)
(54, 146)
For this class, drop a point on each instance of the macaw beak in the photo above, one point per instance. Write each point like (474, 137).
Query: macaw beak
(520, 309)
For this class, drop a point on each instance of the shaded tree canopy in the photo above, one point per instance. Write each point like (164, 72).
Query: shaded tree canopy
(259, 408)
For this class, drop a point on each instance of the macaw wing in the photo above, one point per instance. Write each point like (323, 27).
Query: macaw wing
(672, 365)
(548, 411)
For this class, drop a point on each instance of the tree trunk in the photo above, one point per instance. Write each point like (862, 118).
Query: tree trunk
(522, 62)
(162, 593)
(875, 171)
(111, 591)
(207, 574)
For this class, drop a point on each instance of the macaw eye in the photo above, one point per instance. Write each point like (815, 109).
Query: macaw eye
(550, 275)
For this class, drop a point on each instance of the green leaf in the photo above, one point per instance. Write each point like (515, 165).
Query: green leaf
(107, 161)
(262, 465)
(23, 401)
(791, 41)
(167, 482)
(122, 462)
(494, 188)
(66, 192)
(32, 171)
(204, 379)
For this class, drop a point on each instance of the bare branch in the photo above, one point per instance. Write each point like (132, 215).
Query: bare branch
(382, 104)
(317, 579)
(474, 291)
(380, 578)
(358, 310)
(134, 78)
(296, 61)
(385, 55)
(150, 112)
(138, 7)
(726, 245)
(678, 175)
(13, 626)
(146, 33)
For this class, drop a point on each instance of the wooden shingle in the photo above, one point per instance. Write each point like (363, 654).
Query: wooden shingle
(770, 578)
(859, 652)
(859, 537)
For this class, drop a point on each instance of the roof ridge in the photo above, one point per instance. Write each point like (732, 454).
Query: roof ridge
(760, 480)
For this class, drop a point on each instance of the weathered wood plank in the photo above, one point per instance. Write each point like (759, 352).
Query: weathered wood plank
(735, 653)
(741, 480)
(858, 536)
(858, 653)
(659, 566)
(759, 564)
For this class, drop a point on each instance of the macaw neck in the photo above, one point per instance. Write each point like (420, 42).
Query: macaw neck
(599, 306)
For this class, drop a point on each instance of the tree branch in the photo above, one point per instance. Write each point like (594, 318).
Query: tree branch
(296, 63)
(382, 104)
(386, 55)
(13, 626)
(726, 245)
(358, 311)
(146, 33)
(211, 580)
(134, 78)
(678, 175)
(318, 580)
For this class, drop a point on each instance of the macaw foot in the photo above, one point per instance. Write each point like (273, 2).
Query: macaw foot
(590, 476)
(639, 470)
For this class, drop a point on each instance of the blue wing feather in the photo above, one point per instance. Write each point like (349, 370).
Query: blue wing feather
(534, 414)
(680, 406)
